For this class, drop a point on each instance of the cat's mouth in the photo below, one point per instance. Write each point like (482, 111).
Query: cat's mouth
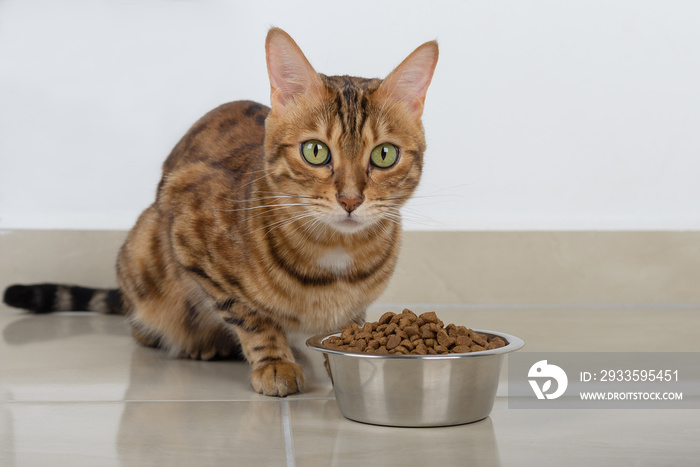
(349, 224)
(350, 221)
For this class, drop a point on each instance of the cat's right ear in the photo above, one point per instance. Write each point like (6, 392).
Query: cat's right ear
(409, 82)
(291, 74)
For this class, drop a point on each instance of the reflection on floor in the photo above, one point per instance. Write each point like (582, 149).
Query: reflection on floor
(75, 390)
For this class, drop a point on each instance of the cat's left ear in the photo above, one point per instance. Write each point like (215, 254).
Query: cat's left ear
(410, 80)
(291, 74)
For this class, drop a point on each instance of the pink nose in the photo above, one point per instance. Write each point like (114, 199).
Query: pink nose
(349, 203)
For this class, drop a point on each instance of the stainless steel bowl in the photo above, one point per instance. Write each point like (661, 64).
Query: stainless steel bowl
(416, 390)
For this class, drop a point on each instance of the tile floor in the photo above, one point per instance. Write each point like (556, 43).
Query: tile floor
(76, 391)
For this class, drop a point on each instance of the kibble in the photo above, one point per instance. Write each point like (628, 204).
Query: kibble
(405, 333)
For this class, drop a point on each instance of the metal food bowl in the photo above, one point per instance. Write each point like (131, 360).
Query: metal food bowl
(416, 390)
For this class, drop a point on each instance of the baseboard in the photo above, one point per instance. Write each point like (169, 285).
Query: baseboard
(629, 268)
(482, 269)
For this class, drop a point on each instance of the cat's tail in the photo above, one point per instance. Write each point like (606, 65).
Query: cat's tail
(47, 298)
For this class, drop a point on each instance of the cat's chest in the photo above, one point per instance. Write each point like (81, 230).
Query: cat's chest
(336, 259)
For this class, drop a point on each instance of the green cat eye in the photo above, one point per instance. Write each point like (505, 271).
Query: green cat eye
(384, 155)
(315, 152)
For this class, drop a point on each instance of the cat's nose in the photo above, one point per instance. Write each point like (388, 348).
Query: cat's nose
(349, 203)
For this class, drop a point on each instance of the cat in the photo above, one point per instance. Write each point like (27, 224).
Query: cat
(270, 220)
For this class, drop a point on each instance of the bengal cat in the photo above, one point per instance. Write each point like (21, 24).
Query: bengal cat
(270, 220)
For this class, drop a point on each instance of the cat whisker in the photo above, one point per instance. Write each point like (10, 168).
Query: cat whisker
(256, 171)
(406, 214)
(271, 227)
(274, 208)
(318, 224)
(264, 213)
(267, 206)
(421, 220)
(395, 220)
(284, 222)
(269, 172)
(259, 199)
(385, 228)
(403, 209)
(419, 217)
(291, 219)
(395, 213)
(280, 194)
(395, 207)
(288, 194)
(268, 198)
(378, 225)
(312, 226)
(272, 205)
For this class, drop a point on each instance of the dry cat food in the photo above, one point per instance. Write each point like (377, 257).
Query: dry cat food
(405, 333)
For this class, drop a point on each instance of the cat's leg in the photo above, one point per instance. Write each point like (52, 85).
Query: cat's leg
(145, 337)
(183, 329)
(165, 308)
(265, 346)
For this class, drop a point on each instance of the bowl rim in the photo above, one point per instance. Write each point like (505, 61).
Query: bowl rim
(513, 343)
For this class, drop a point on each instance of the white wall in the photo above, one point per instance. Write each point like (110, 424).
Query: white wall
(541, 115)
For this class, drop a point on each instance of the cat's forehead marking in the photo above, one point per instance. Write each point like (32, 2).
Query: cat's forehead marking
(351, 102)
(350, 105)
(342, 82)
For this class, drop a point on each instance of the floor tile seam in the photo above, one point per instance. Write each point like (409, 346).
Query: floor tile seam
(447, 306)
(287, 433)
(121, 401)
(86, 314)
(546, 306)
(311, 398)
(95, 401)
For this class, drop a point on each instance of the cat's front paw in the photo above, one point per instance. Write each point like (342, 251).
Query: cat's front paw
(278, 378)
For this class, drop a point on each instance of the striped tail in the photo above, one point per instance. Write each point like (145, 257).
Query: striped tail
(47, 298)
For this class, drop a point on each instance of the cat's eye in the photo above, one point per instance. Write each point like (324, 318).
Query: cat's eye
(384, 156)
(315, 152)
